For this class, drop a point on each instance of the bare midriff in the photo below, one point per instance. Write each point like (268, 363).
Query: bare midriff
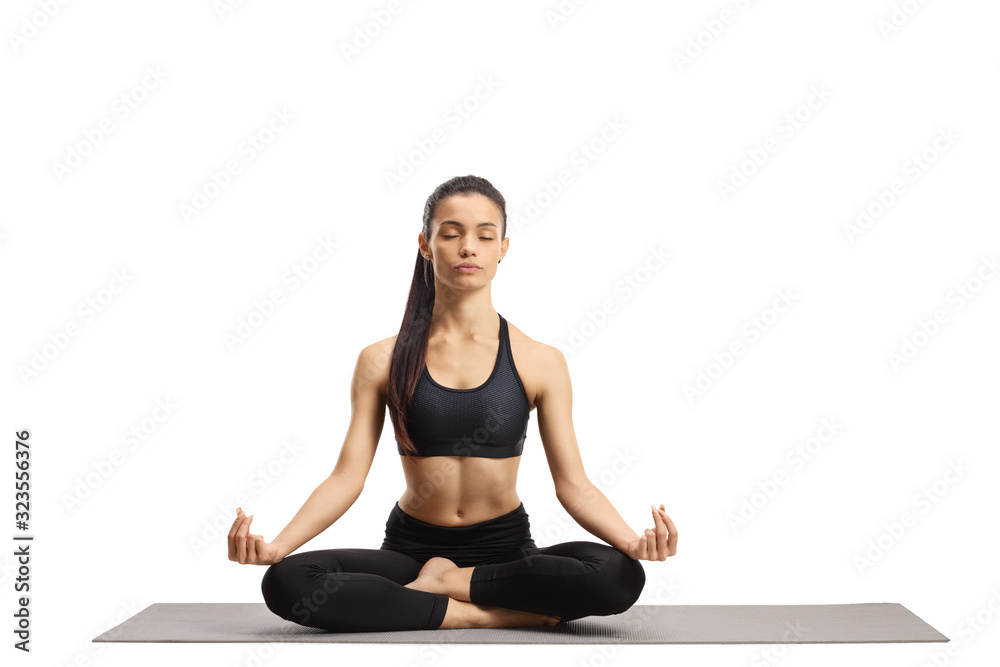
(459, 490)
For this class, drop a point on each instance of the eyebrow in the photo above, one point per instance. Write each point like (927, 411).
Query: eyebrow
(454, 222)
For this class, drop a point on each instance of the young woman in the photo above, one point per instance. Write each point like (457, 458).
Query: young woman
(458, 550)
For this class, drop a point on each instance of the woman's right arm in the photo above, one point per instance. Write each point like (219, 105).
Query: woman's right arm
(332, 498)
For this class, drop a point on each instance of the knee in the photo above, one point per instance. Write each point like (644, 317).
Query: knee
(624, 580)
(289, 585)
(276, 586)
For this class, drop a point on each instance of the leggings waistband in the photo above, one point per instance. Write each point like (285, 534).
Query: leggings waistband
(512, 528)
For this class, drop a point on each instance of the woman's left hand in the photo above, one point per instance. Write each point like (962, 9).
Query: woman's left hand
(656, 543)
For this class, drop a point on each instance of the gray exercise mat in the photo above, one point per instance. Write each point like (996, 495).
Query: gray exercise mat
(642, 624)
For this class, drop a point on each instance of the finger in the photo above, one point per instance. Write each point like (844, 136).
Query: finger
(661, 526)
(661, 543)
(651, 544)
(241, 542)
(652, 535)
(642, 548)
(251, 543)
(252, 548)
(232, 533)
(661, 533)
(672, 536)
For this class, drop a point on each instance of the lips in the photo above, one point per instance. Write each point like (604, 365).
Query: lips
(466, 265)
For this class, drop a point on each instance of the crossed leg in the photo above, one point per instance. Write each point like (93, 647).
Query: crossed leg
(568, 580)
(364, 590)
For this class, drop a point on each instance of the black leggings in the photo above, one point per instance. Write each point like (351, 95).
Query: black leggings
(362, 590)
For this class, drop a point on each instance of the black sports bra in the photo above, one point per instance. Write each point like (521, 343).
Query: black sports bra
(489, 421)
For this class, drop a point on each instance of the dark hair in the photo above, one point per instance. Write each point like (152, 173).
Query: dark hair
(410, 352)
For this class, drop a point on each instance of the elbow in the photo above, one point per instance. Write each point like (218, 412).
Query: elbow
(574, 492)
(348, 480)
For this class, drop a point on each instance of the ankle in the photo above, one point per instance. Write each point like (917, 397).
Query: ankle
(461, 614)
(451, 585)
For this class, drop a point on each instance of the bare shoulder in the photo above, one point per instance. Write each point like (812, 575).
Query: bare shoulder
(533, 350)
(373, 364)
(536, 362)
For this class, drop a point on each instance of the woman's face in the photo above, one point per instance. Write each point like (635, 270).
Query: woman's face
(465, 229)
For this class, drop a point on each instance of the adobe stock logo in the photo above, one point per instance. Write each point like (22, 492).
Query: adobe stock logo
(753, 329)
(796, 458)
(896, 528)
(32, 24)
(122, 106)
(930, 327)
(914, 167)
(455, 116)
(371, 29)
(787, 126)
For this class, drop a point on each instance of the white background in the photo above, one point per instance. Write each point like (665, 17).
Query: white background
(108, 547)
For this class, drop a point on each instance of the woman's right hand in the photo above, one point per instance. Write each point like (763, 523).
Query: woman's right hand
(247, 548)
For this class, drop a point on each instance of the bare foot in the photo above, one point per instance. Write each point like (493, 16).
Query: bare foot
(432, 574)
(461, 614)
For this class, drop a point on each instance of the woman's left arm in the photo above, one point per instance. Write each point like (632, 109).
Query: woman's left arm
(588, 506)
